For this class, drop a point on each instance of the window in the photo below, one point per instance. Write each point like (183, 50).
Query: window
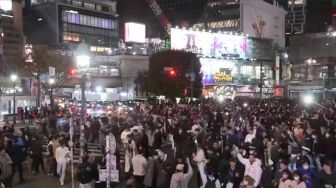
(71, 37)
(76, 18)
(77, 3)
(89, 5)
(98, 7)
(105, 8)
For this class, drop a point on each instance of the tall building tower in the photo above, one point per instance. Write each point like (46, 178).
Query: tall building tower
(70, 21)
(257, 18)
(296, 16)
(11, 39)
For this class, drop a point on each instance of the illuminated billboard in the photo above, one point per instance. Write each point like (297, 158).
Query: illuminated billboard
(216, 71)
(135, 32)
(208, 44)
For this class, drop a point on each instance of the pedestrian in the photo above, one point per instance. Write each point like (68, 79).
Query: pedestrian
(327, 177)
(17, 152)
(139, 163)
(37, 154)
(85, 174)
(285, 180)
(252, 167)
(62, 157)
(180, 179)
(6, 167)
(298, 181)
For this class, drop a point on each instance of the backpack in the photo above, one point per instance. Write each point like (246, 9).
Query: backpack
(84, 175)
(210, 183)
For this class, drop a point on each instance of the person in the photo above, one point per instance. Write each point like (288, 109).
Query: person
(327, 178)
(199, 158)
(307, 173)
(139, 163)
(85, 174)
(297, 181)
(6, 167)
(62, 157)
(16, 151)
(211, 180)
(252, 167)
(285, 180)
(180, 179)
(232, 175)
(55, 143)
(37, 154)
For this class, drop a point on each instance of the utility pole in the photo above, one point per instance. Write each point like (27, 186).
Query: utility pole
(261, 81)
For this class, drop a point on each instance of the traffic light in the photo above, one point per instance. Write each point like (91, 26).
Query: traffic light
(72, 72)
(172, 72)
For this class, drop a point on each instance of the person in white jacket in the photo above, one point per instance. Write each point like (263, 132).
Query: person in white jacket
(62, 157)
(199, 158)
(252, 167)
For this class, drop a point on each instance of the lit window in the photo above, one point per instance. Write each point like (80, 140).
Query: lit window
(71, 37)
(77, 3)
(89, 5)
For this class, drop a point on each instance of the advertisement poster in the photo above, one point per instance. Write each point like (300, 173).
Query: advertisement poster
(209, 44)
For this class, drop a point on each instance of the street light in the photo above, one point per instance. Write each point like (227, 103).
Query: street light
(51, 82)
(83, 63)
(308, 99)
(13, 77)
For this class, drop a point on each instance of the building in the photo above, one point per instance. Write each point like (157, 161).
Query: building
(70, 21)
(296, 16)
(64, 24)
(11, 50)
(313, 64)
(11, 39)
(256, 18)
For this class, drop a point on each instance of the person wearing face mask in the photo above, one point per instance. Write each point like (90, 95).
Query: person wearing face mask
(307, 173)
(180, 179)
(297, 181)
(285, 181)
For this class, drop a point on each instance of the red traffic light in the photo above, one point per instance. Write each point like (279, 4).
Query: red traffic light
(172, 73)
(72, 72)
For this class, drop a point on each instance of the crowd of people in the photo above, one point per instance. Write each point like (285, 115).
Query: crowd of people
(232, 144)
(240, 143)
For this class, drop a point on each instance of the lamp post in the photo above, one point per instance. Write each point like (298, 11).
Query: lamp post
(83, 63)
(51, 83)
(14, 78)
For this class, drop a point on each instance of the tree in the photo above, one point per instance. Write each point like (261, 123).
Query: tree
(43, 58)
(169, 74)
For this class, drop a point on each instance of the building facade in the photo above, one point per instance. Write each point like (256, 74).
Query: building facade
(256, 18)
(312, 64)
(70, 21)
(296, 16)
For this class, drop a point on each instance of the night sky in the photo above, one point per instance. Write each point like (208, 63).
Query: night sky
(138, 11)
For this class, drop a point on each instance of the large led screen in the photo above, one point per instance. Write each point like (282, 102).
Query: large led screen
(210, 44)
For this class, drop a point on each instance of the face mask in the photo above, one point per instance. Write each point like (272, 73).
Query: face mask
(305, 167)
(314, 136)
(297, 178)
(245, 182)
(327, 135)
